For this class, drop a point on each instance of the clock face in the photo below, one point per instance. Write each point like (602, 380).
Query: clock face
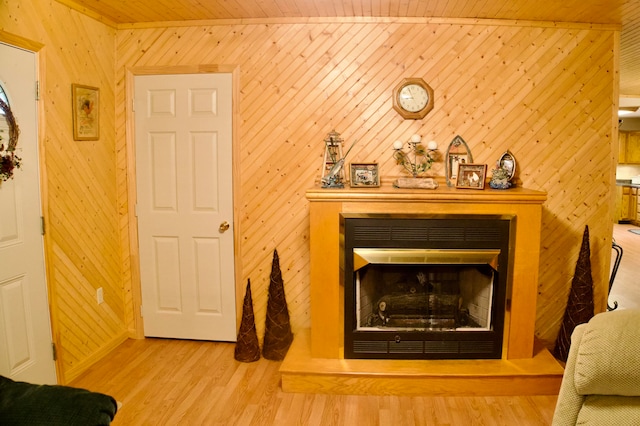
(413, 97)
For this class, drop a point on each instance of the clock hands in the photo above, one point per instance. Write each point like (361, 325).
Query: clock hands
(407, 93)
(411, 92)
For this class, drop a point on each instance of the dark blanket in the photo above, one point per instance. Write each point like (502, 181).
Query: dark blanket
(28, 404)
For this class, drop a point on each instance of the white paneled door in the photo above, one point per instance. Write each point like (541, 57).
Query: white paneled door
(25, 330)
(183, 145)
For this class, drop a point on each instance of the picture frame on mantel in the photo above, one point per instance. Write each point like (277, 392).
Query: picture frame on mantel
(86, 112)
(364, 175)
(471, 176)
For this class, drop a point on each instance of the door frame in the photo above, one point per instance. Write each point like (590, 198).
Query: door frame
(134, 251)
(39, 50)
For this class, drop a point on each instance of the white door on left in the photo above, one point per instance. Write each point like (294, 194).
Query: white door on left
(25, 328)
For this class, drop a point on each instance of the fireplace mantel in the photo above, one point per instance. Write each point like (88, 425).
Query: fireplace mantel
(390, 194)
(326, 205)
(315, 362)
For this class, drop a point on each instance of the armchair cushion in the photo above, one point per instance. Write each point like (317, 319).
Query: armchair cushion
(29, 404)
(608, 358)
(618, 410)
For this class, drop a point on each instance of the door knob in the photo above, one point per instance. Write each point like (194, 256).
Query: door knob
(223, 226)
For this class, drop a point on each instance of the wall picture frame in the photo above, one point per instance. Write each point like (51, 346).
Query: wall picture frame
(471, 176)
(86, 112)
(364, 175)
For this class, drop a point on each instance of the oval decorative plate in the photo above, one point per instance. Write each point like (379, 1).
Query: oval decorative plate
(508, 162)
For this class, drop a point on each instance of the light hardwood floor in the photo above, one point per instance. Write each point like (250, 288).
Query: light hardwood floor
(626, 285)
(173, 382)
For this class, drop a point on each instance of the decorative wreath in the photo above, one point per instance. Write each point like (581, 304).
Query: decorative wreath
(8, 158)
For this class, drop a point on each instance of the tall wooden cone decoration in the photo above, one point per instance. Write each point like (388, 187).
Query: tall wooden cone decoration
(277, 333)
(247, 347)
(580, 305)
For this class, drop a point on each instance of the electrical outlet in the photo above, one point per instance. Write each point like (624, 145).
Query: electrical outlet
(100, 295)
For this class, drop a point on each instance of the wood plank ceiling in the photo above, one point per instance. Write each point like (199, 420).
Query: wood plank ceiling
(618, 12)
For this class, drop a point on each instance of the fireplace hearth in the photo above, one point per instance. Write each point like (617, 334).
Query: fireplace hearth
(424, 287)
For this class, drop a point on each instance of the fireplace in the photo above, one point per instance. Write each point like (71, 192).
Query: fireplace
(318, 360)
(424, 287)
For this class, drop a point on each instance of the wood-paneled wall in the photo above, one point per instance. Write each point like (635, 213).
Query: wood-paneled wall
(546, 92)
(82, 241)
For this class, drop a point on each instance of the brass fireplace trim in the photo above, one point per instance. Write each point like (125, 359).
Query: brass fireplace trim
(365, 256)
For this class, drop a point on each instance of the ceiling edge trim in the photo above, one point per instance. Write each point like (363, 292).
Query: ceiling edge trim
(88, 12)
(370, 20)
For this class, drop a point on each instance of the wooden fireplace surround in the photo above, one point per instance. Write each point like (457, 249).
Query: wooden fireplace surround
(315, 361)
(327, 297)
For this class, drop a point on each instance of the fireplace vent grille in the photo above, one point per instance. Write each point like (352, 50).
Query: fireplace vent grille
(363, 347)
(370, 347)
(376, 233)
(406, 347)
(403, 233)
(440, 347)
(476, 347)
(482, 234)
(446, 234)
(440, 234)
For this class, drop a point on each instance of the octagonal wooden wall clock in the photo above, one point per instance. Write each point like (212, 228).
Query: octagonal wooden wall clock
(413, 98)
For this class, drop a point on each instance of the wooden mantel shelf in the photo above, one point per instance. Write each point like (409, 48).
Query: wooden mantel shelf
(388, 193)
(322, 351)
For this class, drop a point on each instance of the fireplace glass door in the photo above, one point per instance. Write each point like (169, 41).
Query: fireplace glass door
(421, 290)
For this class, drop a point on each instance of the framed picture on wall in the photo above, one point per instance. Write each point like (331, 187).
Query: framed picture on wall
(471, 176)
(86, 112)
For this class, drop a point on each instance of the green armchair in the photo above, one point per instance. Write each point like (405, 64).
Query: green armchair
(29, 404)
(601, 382)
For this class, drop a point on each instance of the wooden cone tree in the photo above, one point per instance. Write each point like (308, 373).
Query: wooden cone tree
(247, 347)
(277, 334)
(580, 305)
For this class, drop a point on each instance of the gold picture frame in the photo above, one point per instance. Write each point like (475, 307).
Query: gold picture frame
(86, 112)
(364, 175)
(471, 176)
